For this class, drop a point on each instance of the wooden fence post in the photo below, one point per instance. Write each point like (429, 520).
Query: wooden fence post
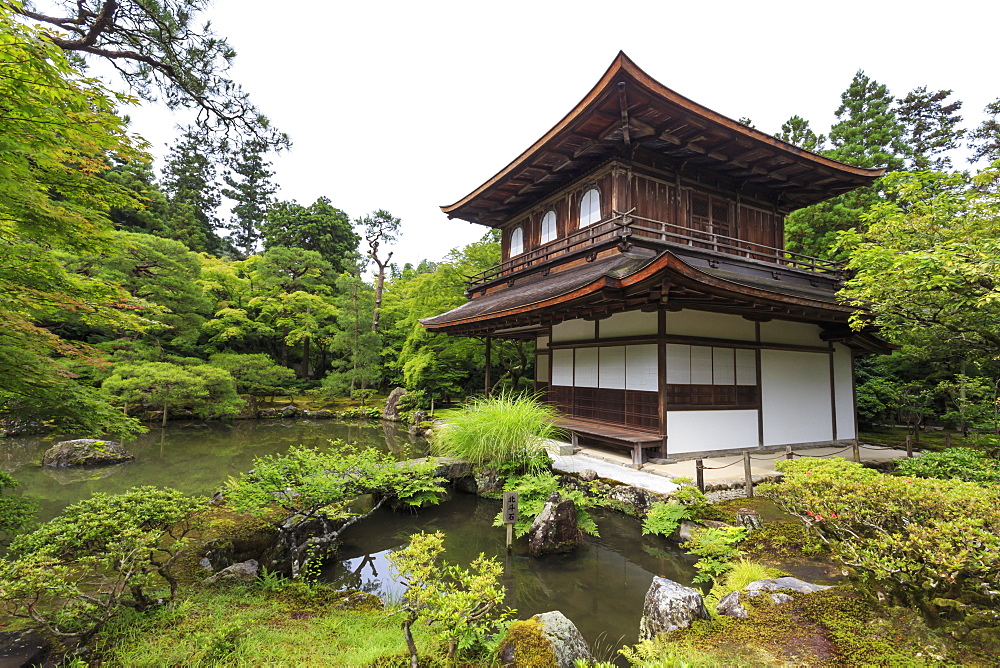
(746, 472)
(788, 452)
(947, 440)
(856, 451)
(909, 446)
(699, 475)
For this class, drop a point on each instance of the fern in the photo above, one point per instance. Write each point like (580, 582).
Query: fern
(663, 518)
(534, 490)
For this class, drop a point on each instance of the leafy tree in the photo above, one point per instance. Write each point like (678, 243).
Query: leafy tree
(931, 124)
(927, 264)
(57, 132)
(357, 348)
(461, 605)
(985, 139)
(796, 131)
(320, 227)
(254, 374)
(16, 512)
(74, 572)
(248, 178)
(308, 494)
(189, 180)
(210, 390)
(158, 48)
(380, 229)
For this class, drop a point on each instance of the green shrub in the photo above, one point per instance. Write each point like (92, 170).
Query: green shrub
(718, 548)
(663, 518)
(505, 428)
(912, 539)
(534, 490)
(16, 512)
(462, 606)
(957, 463)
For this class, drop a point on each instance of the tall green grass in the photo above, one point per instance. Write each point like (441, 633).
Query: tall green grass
(506, 428)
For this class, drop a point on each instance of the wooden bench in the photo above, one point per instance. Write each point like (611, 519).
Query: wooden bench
(634, 440)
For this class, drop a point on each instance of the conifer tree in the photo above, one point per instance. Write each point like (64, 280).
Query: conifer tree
(985, 139)
(320, 227)
(796, 131)
(381, 228)
(248, 178)
(931, 126)
(189, 180)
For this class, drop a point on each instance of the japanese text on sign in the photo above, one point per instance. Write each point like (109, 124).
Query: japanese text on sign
(510, 507)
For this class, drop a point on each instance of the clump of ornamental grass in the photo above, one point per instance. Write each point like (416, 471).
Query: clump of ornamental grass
(508, 429)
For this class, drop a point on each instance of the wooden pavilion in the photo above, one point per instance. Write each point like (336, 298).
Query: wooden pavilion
(643, 252)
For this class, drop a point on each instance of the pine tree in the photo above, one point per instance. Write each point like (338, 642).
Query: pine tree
(867, 132)
(931, 126)
(985, 139)
(380, 228)
(796, 131)
(248, 176)
(189, 182)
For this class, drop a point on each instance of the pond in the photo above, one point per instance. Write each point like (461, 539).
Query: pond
(600, 587)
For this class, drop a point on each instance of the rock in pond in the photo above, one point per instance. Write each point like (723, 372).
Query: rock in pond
(320, 414)
(289, 411)
(555, 529)
(749, 519)
(670, 606)
(548, 639)
(731, 604)
(241, 573)
(85, 452)
(391, 411)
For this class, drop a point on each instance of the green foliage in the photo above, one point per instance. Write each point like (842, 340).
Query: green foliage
(534, 490)
(16, 512)
(211, 391)
(320, 227)
(255, 374)
(955, 463)
(501, 428)
(248, 177)
(189, 180)
(717, 549)
(310, 495)
(664, 518)
(72, 574)
(462, 606)
(931, 127)
(926, 265)
(741, 574)
(985, 139)
(913, 539)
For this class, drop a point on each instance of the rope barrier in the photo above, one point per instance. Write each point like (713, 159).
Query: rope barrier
(712, 468)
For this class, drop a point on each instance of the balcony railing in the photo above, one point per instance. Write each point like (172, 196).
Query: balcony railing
(625, 226)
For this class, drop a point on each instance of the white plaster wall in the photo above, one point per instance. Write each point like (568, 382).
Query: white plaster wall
(798, 333)
(715, 325)
(542, 342)
(795, 397)
(844, 391)
(586, 367)
(693, 431)
(631, 323)
(612, 367)
(562, 367)
(542, 368)
(573, 330)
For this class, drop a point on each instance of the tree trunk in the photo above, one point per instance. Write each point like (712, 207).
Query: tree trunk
(284, 347)
(412, 646)
(305, 358)
(379, 285)
(163, 423)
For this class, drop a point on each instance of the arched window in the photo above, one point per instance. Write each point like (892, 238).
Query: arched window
(548, 226)
(590, 207)
(516, 241)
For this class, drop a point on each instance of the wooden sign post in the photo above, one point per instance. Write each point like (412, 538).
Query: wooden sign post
(510, 515)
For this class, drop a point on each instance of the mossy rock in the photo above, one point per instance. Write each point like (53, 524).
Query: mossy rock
(85, 452)
(526, 645)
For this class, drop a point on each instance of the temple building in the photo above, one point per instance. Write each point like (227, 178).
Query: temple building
(643, 252)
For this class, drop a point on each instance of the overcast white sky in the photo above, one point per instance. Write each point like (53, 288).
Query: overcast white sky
(407, 106)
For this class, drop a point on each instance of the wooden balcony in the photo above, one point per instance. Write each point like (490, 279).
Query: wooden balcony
(626, 228)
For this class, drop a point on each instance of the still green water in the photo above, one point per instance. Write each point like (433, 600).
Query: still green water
(600, 587)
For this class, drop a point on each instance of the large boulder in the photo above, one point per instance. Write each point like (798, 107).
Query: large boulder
(241, 573)
(780, 589)
(548, 639)
(670, 606)
(85, 452)
(749, 519)
(289, 411)
(391, 411)
(320, 414)
(635, 501)
(555, 529)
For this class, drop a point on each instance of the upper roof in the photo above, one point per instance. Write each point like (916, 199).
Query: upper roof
(627, 111)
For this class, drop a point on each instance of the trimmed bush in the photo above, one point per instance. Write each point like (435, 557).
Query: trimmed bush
(955, 463)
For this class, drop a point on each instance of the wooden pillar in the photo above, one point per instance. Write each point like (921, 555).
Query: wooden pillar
(489, 363)
(699, 475)
(746, 473)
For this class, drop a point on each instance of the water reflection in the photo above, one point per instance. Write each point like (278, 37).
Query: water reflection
(601, 587)
(193, 457)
